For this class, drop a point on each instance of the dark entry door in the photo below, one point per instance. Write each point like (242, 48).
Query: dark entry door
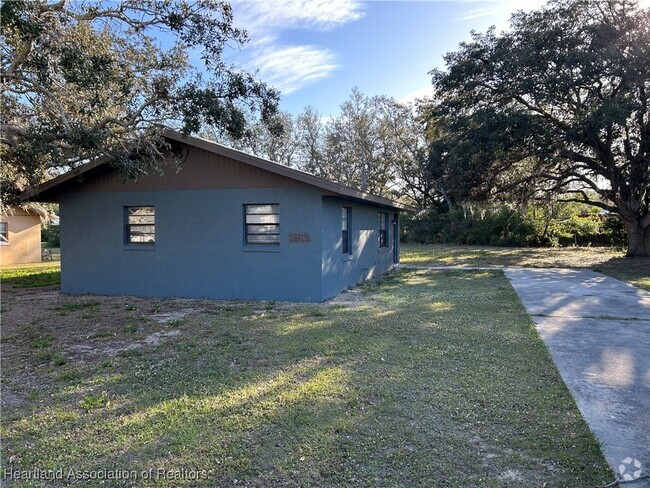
(395, 238)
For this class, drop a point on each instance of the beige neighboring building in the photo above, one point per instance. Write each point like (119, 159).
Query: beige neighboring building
(20, 237)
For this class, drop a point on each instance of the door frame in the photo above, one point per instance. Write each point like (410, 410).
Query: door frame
(395, 238)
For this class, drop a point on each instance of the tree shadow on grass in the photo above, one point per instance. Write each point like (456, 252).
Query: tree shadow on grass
(33, 280)
(394, 391)
(484, 256)
(635, 271)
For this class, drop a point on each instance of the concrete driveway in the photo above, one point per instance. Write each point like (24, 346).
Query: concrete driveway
(598, 331)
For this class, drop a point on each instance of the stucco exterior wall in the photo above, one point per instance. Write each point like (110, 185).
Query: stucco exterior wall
(24, 239)
(199, 249)
(366, 260)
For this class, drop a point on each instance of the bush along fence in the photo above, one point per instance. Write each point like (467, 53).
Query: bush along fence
(559, 225)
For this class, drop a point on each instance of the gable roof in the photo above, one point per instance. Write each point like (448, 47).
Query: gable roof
(28, 209)
(54, 186)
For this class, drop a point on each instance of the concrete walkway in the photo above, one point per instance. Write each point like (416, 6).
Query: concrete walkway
(598, 331)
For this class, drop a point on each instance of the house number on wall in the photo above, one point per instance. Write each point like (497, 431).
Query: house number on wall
(299, 237)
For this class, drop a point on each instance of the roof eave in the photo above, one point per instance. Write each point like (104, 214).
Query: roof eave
(31, 193)
(283, 170)
(213, 147)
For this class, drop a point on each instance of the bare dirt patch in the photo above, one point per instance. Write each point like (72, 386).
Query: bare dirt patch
(9, 399)
(355, 297)
(173, 316)
(511, 475)
(156, 338)
(82, 351)
(46, 331)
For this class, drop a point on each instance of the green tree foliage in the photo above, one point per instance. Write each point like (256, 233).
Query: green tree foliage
(500, 226)
(559, 105)
(560, 224)
(375, 144)
(379, 145)
(274, 139)
(310, 132)
(408, 139)
(50, 234)
(82, 80)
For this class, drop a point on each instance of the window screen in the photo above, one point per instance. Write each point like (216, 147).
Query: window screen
(4, 233)
(346, 217)
(263, 224)
(140, 225)
(383, 229)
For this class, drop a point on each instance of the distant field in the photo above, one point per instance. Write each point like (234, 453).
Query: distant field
(604, 260)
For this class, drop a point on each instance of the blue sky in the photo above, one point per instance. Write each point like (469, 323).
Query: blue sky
(316, 51)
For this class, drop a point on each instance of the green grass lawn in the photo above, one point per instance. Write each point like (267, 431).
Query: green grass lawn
(604, 260)
(32, 275)
(426, 378)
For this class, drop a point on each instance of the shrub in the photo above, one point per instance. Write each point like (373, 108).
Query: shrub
(50, 234)
(500, 227)
(615, 231)
(558, 224)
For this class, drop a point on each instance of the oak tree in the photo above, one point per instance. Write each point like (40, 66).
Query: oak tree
(558, 104)
(83, 80)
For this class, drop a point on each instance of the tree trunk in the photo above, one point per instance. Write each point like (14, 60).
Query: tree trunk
(444, 194)
(638, 239)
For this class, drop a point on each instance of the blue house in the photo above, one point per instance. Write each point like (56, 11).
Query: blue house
(228, 225)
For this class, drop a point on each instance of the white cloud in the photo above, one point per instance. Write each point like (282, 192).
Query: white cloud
(303, 14)
(293, 67)
(496, 7)
(499, 11)
(426, 92)
(477, 13)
